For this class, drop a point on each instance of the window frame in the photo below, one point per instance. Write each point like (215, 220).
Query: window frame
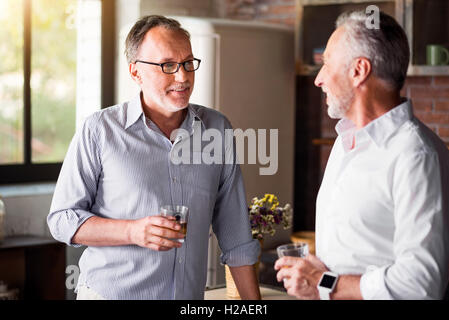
(28, 171)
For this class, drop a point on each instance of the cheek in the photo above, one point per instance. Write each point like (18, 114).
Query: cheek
(155, 84)
(337, 84)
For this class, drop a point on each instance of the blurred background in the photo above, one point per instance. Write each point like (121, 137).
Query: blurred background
(62, 60)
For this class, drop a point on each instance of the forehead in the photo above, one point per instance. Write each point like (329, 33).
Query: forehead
(334, 44)
(162, 43)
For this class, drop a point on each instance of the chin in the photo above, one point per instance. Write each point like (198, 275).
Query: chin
(177, 107)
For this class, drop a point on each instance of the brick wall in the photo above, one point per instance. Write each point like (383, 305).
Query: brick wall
(430, 96)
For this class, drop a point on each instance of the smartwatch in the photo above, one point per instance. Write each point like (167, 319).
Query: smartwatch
(327, 284)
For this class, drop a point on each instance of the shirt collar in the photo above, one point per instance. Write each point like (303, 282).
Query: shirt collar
(135, 112)
(346, 130)
(380, 129)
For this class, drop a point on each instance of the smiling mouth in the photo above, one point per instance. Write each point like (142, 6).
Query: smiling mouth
(178, 90)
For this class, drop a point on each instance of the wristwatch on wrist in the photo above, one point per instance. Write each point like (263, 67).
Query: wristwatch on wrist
(327, 284)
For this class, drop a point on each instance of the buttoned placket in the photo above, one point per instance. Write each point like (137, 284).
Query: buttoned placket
(177, 199)
(175, 186)
(181, 252)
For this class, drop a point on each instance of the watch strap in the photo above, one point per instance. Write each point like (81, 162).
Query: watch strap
(324, 293)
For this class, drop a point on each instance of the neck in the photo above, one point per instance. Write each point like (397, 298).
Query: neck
(166, 120)
(369, 105)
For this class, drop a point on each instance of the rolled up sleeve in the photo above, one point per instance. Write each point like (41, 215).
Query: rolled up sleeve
(372, 285)
(64, 224)
(76, 186)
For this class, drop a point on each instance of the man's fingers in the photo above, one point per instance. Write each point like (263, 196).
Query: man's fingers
(165, 232)
(165, 222)
(286, 262)
(284, 273)
(163, 242)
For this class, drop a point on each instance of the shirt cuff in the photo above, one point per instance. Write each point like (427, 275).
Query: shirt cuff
(243, 255)
(64, 224)
(372, 284)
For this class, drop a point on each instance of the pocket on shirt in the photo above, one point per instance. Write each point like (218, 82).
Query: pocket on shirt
(203, 178)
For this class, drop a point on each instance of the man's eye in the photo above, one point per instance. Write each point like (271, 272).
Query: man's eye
(170, 65)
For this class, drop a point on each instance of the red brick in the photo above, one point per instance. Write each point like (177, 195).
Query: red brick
(433, 118)
(443, 132)
(442, 105)
(428, 92)
(422, 105)
(442, 81)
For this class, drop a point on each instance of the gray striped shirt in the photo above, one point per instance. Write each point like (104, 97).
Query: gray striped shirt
(119, 166)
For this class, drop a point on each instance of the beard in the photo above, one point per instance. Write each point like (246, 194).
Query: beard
(178, 101)
(338, 107)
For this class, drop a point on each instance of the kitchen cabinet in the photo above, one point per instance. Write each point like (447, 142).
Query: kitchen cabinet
(35, 266)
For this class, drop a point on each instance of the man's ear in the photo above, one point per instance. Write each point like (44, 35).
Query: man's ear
(360, 71)
(135, 74)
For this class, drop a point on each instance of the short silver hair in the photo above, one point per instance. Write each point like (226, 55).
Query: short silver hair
(140, 29)
(386, 47)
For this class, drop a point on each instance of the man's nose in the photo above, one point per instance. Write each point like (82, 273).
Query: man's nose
(319, 79)
(181, 75)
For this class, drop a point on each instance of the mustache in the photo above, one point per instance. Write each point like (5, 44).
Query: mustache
(179, 86)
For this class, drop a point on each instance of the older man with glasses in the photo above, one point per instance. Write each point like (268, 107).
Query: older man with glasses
(118, 172)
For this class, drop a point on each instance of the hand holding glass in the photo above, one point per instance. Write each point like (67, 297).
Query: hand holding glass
(180, 214)
(299, 249)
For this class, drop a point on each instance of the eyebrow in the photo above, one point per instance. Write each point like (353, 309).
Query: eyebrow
(189, 57)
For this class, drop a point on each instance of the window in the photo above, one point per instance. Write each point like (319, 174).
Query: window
(50, 80)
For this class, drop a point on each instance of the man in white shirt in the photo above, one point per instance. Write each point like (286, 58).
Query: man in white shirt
(382, 216)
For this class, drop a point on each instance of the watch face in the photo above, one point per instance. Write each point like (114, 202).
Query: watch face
(327, 281)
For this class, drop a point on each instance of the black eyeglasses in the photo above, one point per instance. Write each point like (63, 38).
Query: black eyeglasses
(173, 67)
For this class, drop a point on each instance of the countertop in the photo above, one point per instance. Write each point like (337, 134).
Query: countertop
(267, 292)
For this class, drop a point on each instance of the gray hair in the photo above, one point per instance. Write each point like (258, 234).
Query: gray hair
(140, 29)
(386, 47)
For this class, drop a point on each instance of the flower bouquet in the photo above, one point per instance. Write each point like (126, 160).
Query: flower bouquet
(265, 214)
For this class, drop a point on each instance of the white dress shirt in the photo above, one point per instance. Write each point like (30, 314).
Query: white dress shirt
(383, 207)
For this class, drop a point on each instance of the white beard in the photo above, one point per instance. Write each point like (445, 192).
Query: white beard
(338, 107)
